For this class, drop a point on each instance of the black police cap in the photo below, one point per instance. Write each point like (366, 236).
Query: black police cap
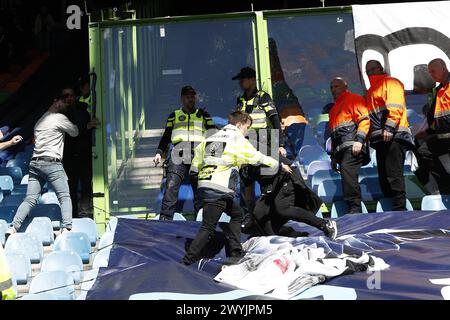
(245, 73)
(187, 90)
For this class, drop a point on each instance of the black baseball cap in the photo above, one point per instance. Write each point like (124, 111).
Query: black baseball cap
(245, 73)
(187, 90)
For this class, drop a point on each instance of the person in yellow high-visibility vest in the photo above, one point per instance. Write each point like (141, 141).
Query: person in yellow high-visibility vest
(259, 105)
(185, 129)
(6, 285)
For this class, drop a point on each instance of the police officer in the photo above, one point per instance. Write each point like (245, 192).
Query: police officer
(259, 105)
(85, 92)
(185, 128)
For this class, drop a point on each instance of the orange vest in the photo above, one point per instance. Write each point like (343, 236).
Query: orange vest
(441, 123)
(387, 109)
(349, 121)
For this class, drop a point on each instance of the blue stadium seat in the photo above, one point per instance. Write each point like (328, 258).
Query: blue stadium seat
(12, 200)
(38, 296)
(1, 195)
(414, 117)
(385, 204)
(24, 243)
(367, 172)
(223, 218)
(42, 229)
(106, 240)
(112, 223)
(74, 242)
(322, 175)
(435, 202)
(373, 159)
(14, 172)
(176, 217)
(59, 284)
(319, 214)
(309, 137)
(101, 259)
(7, 213)
(20, 266)
(314, 155)
(414, 189)
(3, 229)
(20, 189)
(20, 163)
(24, 180)
(316, 166)
(88, 226)
(51, 211)
(370, 189)
(340, 208)
(330, 191)
(49, 198)
(6, 184)
(69, 262)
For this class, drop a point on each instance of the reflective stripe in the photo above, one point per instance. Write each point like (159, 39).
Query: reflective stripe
(343, 124)
(344, 145)
(395, 105)
(403, 129)
(361, 134)
(215, 186)
(391, 123)
(443, 135)
(442, 114)
(378, 109)
(4, 285)
(192, 124)
(376, 133)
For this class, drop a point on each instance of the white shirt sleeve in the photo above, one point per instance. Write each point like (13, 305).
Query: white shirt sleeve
(65, 125)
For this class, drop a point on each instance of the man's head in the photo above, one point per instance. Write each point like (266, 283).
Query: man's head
(188, 96)
(68, 94)
(337, 87)
(58, 106)
(240, 119)
(84, 86)
(247, 78)
(374, 68)
(438, 70)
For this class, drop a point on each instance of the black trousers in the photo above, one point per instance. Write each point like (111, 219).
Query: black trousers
(390, 163)
(349, 166)
(432, 173)
(211, 215)
(287, 209)
(175, 176)
(78, 168)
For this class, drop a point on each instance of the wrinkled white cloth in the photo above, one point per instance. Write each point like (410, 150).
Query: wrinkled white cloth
(282, 271)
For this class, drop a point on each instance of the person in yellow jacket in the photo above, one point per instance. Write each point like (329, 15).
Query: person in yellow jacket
(6, 286)
(185, 129)
(217, 161)
(389, 135)
(432, 154)
(349, 124)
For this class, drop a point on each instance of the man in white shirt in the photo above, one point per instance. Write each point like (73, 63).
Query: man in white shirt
(46, 165)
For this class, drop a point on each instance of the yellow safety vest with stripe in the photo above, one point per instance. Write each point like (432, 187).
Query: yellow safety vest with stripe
(88, 101)
(6, 285)
(188, 126)
(259, 109)
(218, 159)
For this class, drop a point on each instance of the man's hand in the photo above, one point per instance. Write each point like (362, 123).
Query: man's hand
(286, 168)
(387, 136)
(282, 151)
(356, 149)
(15, 140)
(334, 165)
(94, 123)
(157, 159)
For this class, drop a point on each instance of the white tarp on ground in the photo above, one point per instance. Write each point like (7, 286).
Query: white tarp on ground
(404, 37)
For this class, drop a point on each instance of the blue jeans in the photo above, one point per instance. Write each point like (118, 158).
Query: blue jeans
(295, 133)
(42, 171)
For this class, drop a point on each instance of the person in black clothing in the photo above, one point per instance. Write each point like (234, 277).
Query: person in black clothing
(286, 197)
(185, 129)
(78, 153)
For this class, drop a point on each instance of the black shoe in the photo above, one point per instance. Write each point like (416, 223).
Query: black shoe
(234, 259)
(330, 229)
(248, 223)
(163, 217)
